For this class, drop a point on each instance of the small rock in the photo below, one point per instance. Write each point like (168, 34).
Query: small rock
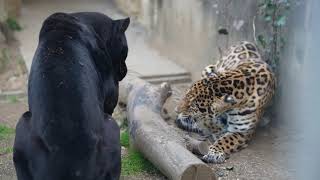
(223, 31)
(124, 151)
(220, 173)
(12, 79)
(229, 168)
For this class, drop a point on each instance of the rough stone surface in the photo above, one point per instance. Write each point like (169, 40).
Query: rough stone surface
(187, 30)
(2, 38)
(3, 11)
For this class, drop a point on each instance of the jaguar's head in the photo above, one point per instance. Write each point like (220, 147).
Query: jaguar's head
(201, 103)
(111, 39)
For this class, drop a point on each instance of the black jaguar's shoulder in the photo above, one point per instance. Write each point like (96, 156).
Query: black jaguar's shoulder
(60, 21)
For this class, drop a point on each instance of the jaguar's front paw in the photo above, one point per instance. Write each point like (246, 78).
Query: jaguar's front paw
(214, 157)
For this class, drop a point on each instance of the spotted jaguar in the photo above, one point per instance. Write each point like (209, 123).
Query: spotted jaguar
(238, 86)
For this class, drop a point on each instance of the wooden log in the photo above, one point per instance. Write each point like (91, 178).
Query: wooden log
(196, 146)
(150, 134)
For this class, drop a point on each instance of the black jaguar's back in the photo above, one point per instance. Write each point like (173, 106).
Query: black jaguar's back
(63, 83)
(73, 88)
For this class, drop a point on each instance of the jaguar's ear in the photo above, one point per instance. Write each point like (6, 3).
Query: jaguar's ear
(122, 25)
(229, 99)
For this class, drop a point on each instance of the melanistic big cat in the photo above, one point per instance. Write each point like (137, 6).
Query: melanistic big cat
(68, 132)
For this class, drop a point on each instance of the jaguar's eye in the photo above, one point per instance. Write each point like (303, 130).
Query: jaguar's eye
(211, 74)
(229, 99)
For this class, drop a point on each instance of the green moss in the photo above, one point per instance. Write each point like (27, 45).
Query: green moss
(4, 59)
(134, 163)
(13, 24)
(12, 98)
(124, 138)
(124, 124)
(5, 131)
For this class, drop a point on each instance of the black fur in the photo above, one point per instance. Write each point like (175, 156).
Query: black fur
(68, 132)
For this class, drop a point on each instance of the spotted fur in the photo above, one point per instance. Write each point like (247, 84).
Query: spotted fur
(238, 86)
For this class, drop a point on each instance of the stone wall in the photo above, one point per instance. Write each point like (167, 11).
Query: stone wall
(187, 30)
(3, 11)
(9, 8)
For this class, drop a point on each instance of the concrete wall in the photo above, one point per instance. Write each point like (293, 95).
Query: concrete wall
(300, 92)
(3, 12)
(9, 8)
(187, 30)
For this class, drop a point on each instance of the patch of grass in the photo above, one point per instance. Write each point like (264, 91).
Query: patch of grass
(134, 163)
(124, 124)
(4, 59)
(5, 131)
(12, 98)
(6, 150)
(13, 24)
(124, 138)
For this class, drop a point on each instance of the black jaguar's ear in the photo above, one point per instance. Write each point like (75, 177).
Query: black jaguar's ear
(122, 24)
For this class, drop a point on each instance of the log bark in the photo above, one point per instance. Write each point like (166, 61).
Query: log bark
(196, 146)
(151, 135)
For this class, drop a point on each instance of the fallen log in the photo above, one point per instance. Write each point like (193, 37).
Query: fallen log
(196, 146)
(151, 135)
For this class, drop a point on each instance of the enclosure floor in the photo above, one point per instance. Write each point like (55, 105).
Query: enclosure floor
(142, 60)
(270, 154)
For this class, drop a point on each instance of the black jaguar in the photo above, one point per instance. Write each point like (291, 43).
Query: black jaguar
(68, 132)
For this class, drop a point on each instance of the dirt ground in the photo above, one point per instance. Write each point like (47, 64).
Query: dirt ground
(266, 157)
